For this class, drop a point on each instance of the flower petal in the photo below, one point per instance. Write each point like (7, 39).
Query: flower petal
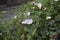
(48, 17)
(39, 5)
(27, 21)
(28, 13)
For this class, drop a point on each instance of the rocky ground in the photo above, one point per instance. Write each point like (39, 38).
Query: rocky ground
(6, 13)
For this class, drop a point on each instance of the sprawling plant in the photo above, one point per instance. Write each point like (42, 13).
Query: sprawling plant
(37, 20)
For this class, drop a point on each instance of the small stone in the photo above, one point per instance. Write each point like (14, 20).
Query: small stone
(27, 21)
(48, 17)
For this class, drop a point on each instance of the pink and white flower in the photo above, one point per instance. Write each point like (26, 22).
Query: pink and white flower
(27, 21)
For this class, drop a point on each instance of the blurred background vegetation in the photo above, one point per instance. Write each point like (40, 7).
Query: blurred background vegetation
(45, 22)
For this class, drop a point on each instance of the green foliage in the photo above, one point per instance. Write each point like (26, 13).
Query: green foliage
(2, 14)
(46, 23)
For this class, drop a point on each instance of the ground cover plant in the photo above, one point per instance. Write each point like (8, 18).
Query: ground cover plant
(36, 20)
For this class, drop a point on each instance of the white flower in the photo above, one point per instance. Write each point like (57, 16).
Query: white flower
(56, 0)
(27, 21)
(15, 17)
(28, 13)
(39, 5)
(48, 17)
